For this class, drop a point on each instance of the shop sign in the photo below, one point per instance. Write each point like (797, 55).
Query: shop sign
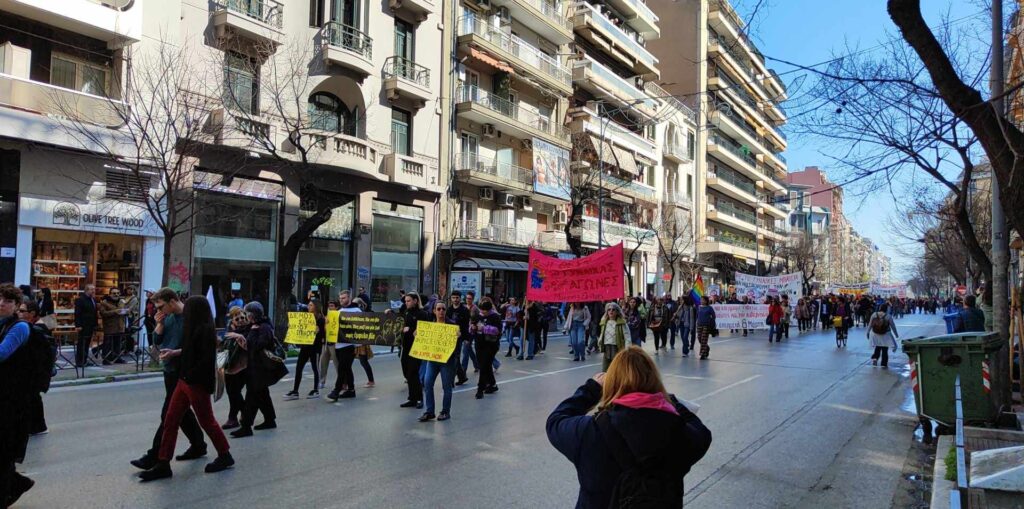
(102, 216)
(7, 252)
(466, 281)
(363, 273)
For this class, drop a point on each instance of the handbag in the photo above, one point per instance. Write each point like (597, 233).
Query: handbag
(222, 360)
(837, 321)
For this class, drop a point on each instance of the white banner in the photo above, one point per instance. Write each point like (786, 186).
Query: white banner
(759, 287)
(893, 290)
(741, 316)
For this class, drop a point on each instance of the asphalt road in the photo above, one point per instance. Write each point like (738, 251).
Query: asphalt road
(796, 424)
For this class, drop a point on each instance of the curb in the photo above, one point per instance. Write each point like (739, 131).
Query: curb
(941, 488)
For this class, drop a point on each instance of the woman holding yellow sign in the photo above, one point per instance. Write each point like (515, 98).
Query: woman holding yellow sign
(445, 369)
(310, 353)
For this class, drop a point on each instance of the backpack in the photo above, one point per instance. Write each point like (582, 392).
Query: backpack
(40, 353)
(879, 325)
(637, 487)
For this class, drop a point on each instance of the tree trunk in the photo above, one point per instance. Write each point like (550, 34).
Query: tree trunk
(165, 279)
(575, 243)
(287, 255)
(672, 271)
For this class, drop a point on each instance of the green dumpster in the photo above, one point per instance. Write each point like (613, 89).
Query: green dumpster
(936, 361)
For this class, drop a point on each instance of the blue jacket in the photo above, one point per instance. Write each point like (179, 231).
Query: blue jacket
(669, 443)
(705, 316)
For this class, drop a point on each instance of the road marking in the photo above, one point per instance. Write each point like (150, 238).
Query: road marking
(727, 387)
(686, 377)
(535, 375)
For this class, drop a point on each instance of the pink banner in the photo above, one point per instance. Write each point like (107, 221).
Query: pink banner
(595, 277)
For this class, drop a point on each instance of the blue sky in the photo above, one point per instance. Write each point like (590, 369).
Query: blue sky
(807, 32)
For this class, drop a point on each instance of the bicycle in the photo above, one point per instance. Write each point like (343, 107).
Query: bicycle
(841, 333)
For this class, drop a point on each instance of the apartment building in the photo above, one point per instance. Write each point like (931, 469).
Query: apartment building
(743, 172)
(361, 106)
(550, 97)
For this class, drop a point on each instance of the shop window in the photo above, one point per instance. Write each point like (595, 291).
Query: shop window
(395, 253)
(241, 82)
(67, 72)
(223, 215)
(124, 186)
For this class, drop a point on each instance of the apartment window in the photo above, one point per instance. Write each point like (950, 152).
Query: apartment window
(67, 72)
(404, 40)
(240, 80)
(401, 131)
(691, 144)
(316, 13)
(689, 186)
(328, 113)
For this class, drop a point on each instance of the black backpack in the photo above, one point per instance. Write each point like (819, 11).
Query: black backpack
(637, 487)
(879, 324)
(40, 354)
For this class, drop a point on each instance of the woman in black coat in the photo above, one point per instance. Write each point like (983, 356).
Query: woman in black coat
(411, 366)
(196, 382)
(637, 423)
(257, 396)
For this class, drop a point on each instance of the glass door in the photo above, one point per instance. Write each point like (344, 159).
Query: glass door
(470, 149)
(401, 132)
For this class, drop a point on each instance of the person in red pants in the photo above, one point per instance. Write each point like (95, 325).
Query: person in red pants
(198, 354)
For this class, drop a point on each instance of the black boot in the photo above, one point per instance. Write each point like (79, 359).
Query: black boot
(192, 453)
(146, 462)
(162, 470)
(223, 462)
(244, 431)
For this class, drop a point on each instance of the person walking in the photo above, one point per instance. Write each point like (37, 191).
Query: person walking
(259, 338)
(640, 443)
(787, 317)
(773, 319)
(513, 325)
(445, 369)
(365, 352)
(685, 318)
(671, 308)
(612, 337)
(533, 314)
(706, 326)
(345, 385)
(634, 321)
(469, 345)
(658, 323)
(488, 342)
(411, 365)
(970, 318)
(825, 311)
(327, 353)
(882, 335)
(29, 312)
(197, 381)
(457, 313)
(842, 317)
(310, 354)
(576, 324)
(86, 321)
(169, 337)
(113, 313)
(234, 371)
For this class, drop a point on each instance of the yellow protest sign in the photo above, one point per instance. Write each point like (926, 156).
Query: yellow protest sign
(332, 326)
(434, 341)
(301, 328)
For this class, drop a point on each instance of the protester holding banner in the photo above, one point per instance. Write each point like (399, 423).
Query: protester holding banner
(488, 342)
(345, 385)
(310, 354)
(410, 365)
(458, 314)
(445, 369)
(613, 333)
(327, 353)
(364, 352)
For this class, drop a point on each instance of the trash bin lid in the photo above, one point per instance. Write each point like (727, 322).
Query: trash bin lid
(990, 340)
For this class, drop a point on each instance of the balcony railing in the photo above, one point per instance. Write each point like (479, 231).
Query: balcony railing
(641, 52)
(546, 64)
(727, 47)
(268, 12)
(512, 110)
(350, 38)
(678, 198)
(632, 94)
(643, 9)
(635, 187)
(732, 239)
(749, 100)
(477, 163)
(729, 209)
(476, 230)
(661, 94)
(399, 67)
(619, 231)
(552, 11)
(678, 150)
(732, 178)
(732, 147)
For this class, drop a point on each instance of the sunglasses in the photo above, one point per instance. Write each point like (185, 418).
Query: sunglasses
(23, 310)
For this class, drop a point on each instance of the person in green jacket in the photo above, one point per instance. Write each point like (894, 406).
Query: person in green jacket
(613, 333)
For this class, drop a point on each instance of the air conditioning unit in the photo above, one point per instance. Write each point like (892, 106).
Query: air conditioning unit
(490, 131)
(506, 200)
(527, 144)
(504, 15)
(484, 4)
(561, 217)
(486, 193)
(527, 203)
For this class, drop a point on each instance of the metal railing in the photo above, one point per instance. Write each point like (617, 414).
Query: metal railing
(661, 94)
(679, 198)
(476, 230)
(547, 65)
(269, 12)
(477, 163)
(732, 239)
(732, 147)
(551, 10)
(743, 63)
(633, 94)
(731, 177)
(643, 10)
(647, 192)
(401, 67)
(512, 110)
(641, 52)
(730, 209)
(749, 100)
(348, 37)
(678, 150)
(619, 230)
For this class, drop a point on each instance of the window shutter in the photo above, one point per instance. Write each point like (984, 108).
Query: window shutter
(124, 186)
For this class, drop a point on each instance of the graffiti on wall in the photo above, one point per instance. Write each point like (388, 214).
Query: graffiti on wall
(178, 277)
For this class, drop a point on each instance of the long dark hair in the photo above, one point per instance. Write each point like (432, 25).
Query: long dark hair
(197, 325)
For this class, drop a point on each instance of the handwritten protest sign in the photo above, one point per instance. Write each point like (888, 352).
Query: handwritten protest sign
(364, 328)
(595, 277)
(741, 316)
(301, 328)
(434, 341)
(759, 287)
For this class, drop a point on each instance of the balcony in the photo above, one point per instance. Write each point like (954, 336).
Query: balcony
(585, 119)
(482, 107)
(115, 22)
(724, 20)
(347, 47)
(677, 152)
(639, 16)
(768, 206)
(597, 29)
(602, 82)
(736, 64)
(618, 232)
(344, 151)
(729, 243)
(418, 10)
(731, 215)
(632, 189)
(738, 129)
(678, 199)
(226, 129)
(60, 102)
(256, 20)
(738, 96)
(405, 79)
(772, 232)
(774, 82)
(737, 157)
(725, 181)
(774, 162)
(411, 171)
(551, 241)
(476, 230)
(486, 172)
(545, 17)
(523, 57)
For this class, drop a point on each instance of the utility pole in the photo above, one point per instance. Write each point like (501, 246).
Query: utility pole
(1000, 242)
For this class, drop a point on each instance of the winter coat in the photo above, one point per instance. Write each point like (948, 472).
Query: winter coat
(774, 314)
(666, 442)
(620, 332)
(887, 340)
(113, 320)
(260, 337)
(575, 313)
(706, 316)
(199, 358)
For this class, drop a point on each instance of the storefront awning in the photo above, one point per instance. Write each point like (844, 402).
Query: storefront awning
(626, 161)
(491, 61)
(491, 264)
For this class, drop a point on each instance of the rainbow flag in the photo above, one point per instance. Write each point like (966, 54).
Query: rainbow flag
(697, 291)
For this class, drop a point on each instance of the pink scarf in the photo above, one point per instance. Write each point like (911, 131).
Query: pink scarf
(646, 400)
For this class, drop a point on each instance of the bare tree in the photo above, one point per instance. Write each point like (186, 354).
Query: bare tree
(806, 253)
(675, 240)
(160, 124)
(635, 240)
(585, 185)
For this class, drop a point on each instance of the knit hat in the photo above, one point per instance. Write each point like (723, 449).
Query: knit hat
(613, 305)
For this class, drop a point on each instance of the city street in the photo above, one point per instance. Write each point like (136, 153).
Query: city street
(796, 424)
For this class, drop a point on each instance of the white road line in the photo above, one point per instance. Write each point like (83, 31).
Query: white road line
(727, 387)
(686, 377)
(467, 389)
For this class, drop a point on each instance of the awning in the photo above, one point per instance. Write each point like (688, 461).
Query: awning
(489, 263)
(491, 61)
(626, 161)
